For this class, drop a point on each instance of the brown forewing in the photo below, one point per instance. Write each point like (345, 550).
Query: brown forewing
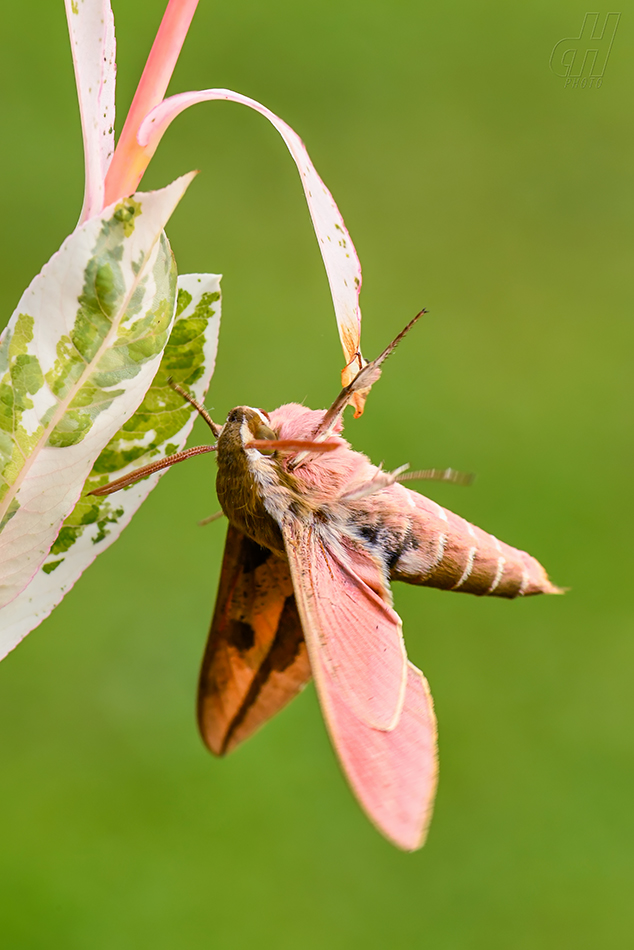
(255, 660)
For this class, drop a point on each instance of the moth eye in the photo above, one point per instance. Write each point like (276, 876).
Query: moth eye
(264, 432)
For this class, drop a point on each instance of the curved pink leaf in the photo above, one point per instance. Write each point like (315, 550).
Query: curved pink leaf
(337, 250)
(92, 40)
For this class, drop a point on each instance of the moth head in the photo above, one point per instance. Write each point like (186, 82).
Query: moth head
(244, 424)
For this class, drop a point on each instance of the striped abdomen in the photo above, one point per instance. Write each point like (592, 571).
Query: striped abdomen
(422, 543)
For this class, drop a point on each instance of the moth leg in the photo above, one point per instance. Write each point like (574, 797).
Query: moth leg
(355, 356)
(379, 480)
(211, 518)
(438, 475)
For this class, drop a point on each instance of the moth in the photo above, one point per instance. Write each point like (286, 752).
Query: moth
(316, 535)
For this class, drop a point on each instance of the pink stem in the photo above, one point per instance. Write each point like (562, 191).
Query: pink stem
(130, 160)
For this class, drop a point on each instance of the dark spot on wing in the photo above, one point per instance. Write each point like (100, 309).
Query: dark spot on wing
(254, 556)
(284, 651)
(287, 639)
(241, 636)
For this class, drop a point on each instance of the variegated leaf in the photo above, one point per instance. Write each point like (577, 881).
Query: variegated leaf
(159, 427)
(75, 362)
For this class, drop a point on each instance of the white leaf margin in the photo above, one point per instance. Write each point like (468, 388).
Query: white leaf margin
(47, 590)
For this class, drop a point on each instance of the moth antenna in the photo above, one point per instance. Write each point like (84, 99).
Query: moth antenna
(215, 428)
(362, 382)
(439, 475)
(126, 480)
(215, 517)
(395, 342)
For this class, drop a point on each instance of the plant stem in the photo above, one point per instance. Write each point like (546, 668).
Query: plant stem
(130, 160)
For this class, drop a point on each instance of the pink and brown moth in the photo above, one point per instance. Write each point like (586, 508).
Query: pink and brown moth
(316, 534)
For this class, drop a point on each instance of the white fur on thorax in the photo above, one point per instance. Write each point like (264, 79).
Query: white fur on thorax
(263, 468)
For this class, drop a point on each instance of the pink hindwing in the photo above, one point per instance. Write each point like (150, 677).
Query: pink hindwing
(393, 774)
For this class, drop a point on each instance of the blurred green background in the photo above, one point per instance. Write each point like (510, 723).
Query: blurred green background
(475, 184)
